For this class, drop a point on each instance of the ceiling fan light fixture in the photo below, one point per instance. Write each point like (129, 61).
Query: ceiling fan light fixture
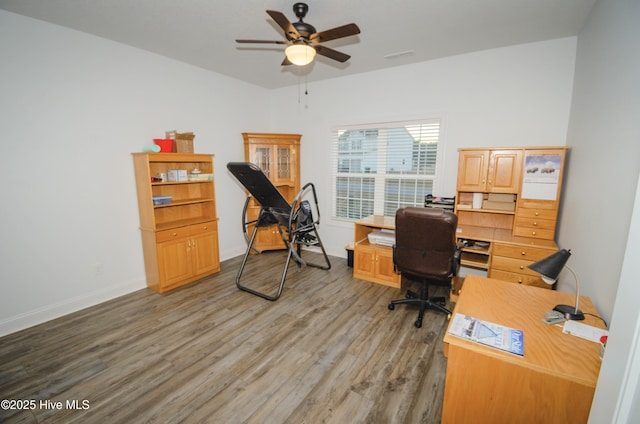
(300, 54)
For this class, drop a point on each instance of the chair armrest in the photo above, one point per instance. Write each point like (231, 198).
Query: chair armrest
(461, 244)
(393, 249)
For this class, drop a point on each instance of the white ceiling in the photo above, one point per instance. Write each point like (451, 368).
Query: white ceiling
(203, 32)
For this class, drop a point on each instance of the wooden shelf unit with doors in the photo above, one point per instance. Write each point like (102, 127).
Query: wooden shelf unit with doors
(180, 238)
(373, 262)
(504, 240)
(278, 155)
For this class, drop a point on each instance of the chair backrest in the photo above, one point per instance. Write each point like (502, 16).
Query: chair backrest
(426, 242)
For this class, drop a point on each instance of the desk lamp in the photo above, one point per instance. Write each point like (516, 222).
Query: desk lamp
(549, 268)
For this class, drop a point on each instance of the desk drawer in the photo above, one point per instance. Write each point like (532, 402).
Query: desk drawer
(534, 233)
(527, 280)
(172, 234)
(204, 227)
(539, 205)
(535, 223)
(512, 265)
(529, 253)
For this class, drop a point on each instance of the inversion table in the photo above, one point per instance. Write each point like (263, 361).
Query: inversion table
(295, 222)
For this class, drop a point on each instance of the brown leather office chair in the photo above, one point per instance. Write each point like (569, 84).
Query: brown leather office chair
(426, 252)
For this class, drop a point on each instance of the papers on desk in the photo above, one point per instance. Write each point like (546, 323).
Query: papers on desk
(584, 331)
(487, 333)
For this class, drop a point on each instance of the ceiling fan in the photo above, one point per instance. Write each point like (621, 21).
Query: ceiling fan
(303, 40)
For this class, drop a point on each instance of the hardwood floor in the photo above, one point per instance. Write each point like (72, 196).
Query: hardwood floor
(328, 351)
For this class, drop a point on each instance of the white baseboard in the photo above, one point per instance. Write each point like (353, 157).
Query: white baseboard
(56, 310)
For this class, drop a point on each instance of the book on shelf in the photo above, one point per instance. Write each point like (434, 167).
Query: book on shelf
(487, 333)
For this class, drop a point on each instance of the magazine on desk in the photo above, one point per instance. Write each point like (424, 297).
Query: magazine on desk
(487, 333)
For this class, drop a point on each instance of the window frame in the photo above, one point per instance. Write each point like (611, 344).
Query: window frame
(379, 179)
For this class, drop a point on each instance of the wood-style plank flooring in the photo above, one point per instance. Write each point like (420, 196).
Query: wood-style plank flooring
(328, 351)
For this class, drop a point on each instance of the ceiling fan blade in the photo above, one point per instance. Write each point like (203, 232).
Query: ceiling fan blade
(335, 33)
(331, 54)
(261, 42)
(289, 30)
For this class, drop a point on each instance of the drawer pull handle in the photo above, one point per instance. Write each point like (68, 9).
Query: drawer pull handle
(537, 213)
(519, 281)
(535, 224)
(174, 234)
(205, 227)
(523, 253)
(533, 233)
(521, 267)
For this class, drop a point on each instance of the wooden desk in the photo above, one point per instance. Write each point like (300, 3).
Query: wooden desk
(553, 382)
(373, 262)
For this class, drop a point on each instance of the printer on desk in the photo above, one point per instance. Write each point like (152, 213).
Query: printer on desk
(383, 237)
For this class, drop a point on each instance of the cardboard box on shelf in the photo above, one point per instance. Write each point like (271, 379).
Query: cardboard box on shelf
(501, 197)
(500, 206)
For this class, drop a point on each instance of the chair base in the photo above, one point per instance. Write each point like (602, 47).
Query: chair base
(424, 302)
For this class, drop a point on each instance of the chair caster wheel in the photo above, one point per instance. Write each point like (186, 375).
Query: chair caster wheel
(391, 306)
(418, 323)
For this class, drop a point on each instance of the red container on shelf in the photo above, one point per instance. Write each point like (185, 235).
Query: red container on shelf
(166, 144)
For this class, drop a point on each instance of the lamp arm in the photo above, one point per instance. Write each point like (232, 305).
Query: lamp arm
(577, 287)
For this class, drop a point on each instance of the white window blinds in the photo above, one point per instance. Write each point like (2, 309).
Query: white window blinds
(379, 168)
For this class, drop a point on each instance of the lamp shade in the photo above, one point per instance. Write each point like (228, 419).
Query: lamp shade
(300, 54)
(549, 268)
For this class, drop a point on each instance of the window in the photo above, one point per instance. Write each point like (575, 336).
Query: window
(381, 168)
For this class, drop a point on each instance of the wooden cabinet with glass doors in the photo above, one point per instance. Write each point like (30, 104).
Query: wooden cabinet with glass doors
(278, 155)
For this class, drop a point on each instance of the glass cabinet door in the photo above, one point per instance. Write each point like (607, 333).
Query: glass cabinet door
(262, 158)
(284, 163)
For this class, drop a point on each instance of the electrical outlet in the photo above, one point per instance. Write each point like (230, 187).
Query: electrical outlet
(98, 269)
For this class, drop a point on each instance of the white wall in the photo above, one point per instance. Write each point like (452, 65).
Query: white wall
(73, 107)
(604, 160)
(515, 96)
(604, 135)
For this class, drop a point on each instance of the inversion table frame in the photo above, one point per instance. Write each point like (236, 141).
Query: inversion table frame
(295, 222)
